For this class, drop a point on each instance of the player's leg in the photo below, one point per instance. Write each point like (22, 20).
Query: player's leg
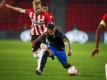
(37, 52)
(62, 57)
(35, 47)
(41, 63)
(43, 60)
(43, 48)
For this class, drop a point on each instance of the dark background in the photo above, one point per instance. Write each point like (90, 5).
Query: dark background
(83, 14)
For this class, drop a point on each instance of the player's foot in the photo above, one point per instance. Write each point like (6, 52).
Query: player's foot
(38, 72)
(78, 73)
(52, 57)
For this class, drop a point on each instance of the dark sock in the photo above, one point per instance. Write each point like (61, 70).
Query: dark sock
(66, 66)
(52, 57)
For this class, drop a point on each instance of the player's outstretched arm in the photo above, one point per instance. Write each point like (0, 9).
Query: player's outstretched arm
(41, 37)
(98, 36)
(15, 8)
(70, 50)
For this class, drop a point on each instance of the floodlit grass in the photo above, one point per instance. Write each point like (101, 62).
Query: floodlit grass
(17, 63)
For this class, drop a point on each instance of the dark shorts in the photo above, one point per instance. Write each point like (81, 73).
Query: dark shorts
(37, 45)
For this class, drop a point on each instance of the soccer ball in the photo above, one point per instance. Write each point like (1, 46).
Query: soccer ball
(72, 71)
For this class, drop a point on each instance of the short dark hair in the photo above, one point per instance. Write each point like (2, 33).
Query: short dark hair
(51, 26)
(44, 4)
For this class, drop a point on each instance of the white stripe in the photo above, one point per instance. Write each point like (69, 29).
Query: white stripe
(44, 25)
(39, 26)
(106, 70)
(32, 29)
(37, 33)
(40, 20)
(30, 14)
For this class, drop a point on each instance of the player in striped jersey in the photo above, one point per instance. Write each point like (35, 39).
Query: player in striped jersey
(46, 9)
(99, 30)
(39, 20)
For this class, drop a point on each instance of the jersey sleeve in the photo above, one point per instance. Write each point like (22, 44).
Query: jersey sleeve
(27, 11)
(47, 19)
(40, 38)
(51, 17)
(62, 35)
(104, 20)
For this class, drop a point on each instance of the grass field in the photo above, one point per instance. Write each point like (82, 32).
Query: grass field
(17, 63)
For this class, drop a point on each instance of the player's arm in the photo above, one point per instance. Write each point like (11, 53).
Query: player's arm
(70, 50)
(48, 19)
(66, 39)
(40, 38)
(98, 36)
(16, 8)
(52, 18)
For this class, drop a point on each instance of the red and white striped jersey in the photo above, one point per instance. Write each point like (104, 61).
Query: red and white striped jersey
(38, 22)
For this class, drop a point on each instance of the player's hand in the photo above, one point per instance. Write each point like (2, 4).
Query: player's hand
(96, 51)
(8, 6)
(33, 43)
(70, 52)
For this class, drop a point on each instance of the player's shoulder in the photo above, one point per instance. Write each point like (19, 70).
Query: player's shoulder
(104, 20)
(45, 34)
(30, 9)
(49, 13)
(44, 13)
(105, 15)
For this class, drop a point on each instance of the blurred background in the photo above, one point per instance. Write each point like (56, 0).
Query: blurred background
(83, 15)
(78, 19)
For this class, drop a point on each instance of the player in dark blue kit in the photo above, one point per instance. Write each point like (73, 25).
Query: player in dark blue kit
(55, 47)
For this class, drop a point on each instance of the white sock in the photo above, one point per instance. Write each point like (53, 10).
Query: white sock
(106, 70)
(40, 58)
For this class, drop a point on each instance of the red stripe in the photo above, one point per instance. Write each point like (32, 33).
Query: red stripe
(38, 30)
(34, 31)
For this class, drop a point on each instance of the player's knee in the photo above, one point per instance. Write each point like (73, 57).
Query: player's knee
(46, 53)
(43, 46)
(35, 54)
(66, 66)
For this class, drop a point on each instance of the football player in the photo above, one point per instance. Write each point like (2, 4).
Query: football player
(56, 47)
(39, 20)
(99, 30)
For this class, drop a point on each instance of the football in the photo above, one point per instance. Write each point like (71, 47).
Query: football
(72, 71)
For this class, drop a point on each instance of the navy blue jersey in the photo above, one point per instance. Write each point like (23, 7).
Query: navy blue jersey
(56, 40)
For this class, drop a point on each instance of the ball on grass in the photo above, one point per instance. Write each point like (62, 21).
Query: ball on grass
(72, 71)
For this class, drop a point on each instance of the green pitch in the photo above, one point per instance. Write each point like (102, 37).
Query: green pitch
(17, 63)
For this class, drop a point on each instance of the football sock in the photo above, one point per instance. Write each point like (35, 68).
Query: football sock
(66, 66)
(44, 60)
(41, 52)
